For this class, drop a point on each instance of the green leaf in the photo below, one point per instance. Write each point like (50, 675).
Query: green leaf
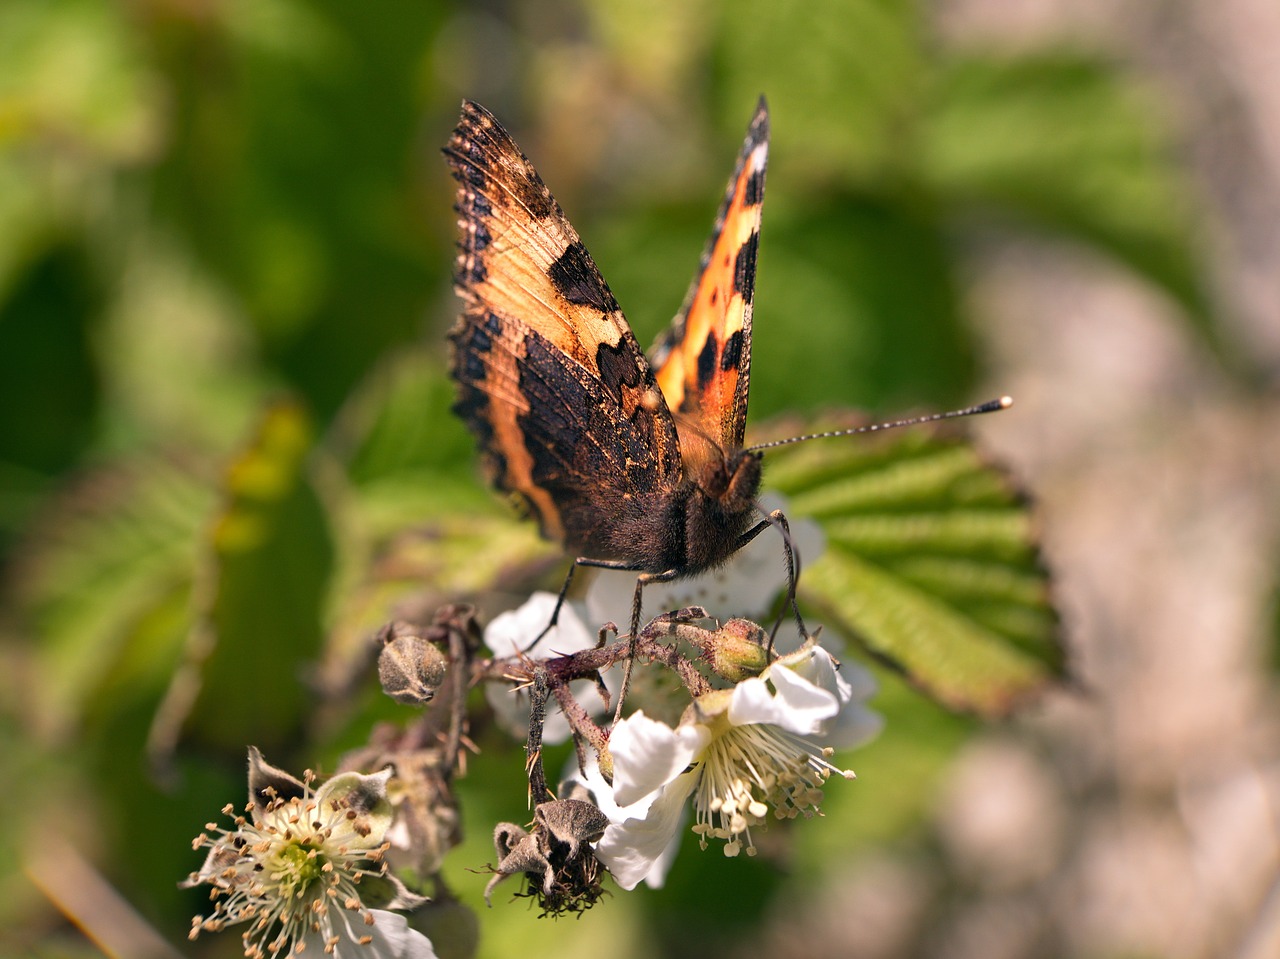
(105, 584)
(263, 590)
(1066, 142)
(844, 101)
(399, 422)
(931, 563)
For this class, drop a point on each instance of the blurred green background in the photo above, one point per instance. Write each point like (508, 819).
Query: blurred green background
(225, 254)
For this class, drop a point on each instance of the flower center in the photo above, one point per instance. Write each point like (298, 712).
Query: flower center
(300, 864)
(289, 877)
(748, 770)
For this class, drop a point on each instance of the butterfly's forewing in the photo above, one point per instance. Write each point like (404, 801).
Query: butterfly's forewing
(551, 380)
(703, 361)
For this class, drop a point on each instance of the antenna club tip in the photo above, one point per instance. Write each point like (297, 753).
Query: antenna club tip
(1005, 402)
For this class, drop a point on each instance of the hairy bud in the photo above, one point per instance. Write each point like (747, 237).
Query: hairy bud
(410, 667)
(735, 651)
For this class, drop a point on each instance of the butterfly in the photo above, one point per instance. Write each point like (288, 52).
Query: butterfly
(629, 461)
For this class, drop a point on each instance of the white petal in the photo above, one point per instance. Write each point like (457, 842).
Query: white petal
(862, 685)
(622, 850)
(391, 938)
(514, 631)
(511, 709)
(648, 754)
(819, 668)
(364, 795)
(641, 849)
(795, 704)
(854, 726)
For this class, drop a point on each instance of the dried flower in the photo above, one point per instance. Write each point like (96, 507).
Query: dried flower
(305, 869)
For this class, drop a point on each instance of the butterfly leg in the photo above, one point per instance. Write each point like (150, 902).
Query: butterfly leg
(555, 613)
(793, 576)
(637, 606)
(637, 601)
(778, 519)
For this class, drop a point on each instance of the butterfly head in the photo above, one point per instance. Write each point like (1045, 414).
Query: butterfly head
(721, 506)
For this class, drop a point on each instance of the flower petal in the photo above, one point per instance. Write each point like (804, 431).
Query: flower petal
(795, 704)
(817, 666)
(512, 632)
(366, 796)
(268, 783)
(621, 852)
(390, 937)
(640, 849)
(648, 754)
(853, 726)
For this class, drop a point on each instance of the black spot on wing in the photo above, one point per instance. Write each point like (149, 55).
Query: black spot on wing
(576, 279)
(732, 356)
(744, 267)
(618, 368)
(576, 432)
(707, 363)
(753, 192)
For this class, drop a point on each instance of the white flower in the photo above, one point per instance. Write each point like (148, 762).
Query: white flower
(645, 853)
(746, 586)
(738, 753)
(305, 868)
(511, 634)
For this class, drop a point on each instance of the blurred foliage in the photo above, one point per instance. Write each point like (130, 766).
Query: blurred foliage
(224, 227)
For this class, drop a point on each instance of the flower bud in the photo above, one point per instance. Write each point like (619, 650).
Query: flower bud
(410, 668)
(737, 650)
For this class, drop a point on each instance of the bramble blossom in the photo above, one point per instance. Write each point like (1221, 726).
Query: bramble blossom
(738, 753)
(305, 869)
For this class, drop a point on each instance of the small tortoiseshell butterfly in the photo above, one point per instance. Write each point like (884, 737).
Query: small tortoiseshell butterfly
(629, 462)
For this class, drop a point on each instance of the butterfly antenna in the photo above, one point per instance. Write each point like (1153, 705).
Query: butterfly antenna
(991, 406)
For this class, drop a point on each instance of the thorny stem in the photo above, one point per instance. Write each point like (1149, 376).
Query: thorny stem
(538, 692)
(589, 663)
(462, 626)
(551, 677)
(580, 720)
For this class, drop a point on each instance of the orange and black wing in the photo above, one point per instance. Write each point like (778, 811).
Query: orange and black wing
(703, 361)
(550, 377)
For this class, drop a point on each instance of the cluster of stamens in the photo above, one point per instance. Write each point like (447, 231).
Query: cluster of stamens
(287, 875)
(748, 770)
